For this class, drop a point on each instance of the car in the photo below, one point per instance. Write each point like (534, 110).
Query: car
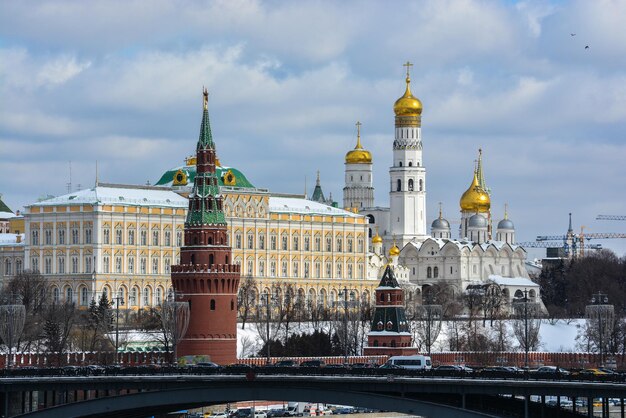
(286, 363)
(495, 371)
(241, 413)
(389, 366)
(260, 414)
(552, 370)
(313, 363)
(277, 413)
(208, 364)
(219, 415)
(343, 410)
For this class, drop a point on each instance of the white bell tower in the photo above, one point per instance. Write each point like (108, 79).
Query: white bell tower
(407, 196)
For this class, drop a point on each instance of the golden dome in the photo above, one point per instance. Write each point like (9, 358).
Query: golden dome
(377, 239)
(475, 199)
(394, 251)
(358, 155)
(408, 105)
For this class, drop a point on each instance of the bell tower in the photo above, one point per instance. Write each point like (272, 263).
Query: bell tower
(206, 278)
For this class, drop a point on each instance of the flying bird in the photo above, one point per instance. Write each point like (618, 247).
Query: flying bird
(572, 34)
(586, 46)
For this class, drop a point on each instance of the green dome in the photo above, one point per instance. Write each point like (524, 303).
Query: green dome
(185, 175)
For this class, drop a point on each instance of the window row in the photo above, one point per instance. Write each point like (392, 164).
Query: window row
(154, 267)
(410, 186)
(8, 267)
(154, 238)
(297, 244)
(61, 238)
(135, 298)
(296, 269)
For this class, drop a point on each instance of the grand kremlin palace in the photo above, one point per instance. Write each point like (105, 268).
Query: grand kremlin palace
(121, 240)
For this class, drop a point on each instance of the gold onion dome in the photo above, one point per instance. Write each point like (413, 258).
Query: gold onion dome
(475, 199)
(377, 239)
(358, 155)
(394, 251)
(408, 105)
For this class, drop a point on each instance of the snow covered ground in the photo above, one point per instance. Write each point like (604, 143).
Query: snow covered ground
(558, 337)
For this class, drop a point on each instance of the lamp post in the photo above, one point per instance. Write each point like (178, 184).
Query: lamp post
(266, 297)
(119, 300)
(345, 323)
(526, 328)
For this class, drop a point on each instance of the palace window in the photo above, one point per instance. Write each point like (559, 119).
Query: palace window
(329, 244)
(143, 265)
(131, 237)
(295, 269)
(307, 243)
(34, 262)
(75, 236)
(284, 269)
(329, 270)
(56, 295)
(61, 265)
(118, 236)
(250, 267)
(155, 237)
(69, 295)
(134, 296)
(158, 296)
(47, 236)
(238, 240)
(284, 242)
(18, 266)
(118, 264)
(339, 245)
(84, 296)
(74, 264)
(338, 269)
(306, 269)
(146, 296)
(8, 270)
(168, 238)
(261, 241)
(179, 239)
(35, 237)
(250, 240)
(318, 270)
(273, 269)
(429, 272)
(360, 245)
(106, 236)
(131, 265)
(61, 236)
(88, 236)
(349, 271)
(105, 264)
(273, 242)
(261, 268)
(436, 272)
(143, 236)
(349, 245)
(155, 265)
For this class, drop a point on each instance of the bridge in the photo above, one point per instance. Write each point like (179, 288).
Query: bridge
(430, 396)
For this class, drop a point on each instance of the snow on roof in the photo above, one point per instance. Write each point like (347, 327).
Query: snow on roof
(305, 206)
(7, 215)
(120, 194)
(11, 239)
(512, 281)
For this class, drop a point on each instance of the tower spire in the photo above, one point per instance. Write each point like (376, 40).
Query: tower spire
(206, 138)
(358, 135)
(506, 211)
(570, 230)
(480, 174)
(440, 211)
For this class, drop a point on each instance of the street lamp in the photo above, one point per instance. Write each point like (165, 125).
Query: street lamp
(266, 298)
(345, 322)
(600, 316)
(119, 300)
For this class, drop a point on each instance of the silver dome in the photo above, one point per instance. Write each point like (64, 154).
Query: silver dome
(506, 224)
(477, 221)
(440, 223)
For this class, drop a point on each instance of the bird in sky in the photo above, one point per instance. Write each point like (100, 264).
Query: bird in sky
(586, 46)
(572, 34)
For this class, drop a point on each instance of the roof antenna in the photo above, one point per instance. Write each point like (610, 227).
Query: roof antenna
(305, 189)
(96, 173)
(69, 185)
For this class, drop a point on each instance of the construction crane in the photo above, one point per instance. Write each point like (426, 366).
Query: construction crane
(611, 218)
(574, 244)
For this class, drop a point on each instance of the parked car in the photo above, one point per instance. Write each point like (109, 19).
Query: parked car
(286, 363)
(260, 414)
(552, 371)
(313, 363)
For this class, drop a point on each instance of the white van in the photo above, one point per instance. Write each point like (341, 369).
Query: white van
(411, 362)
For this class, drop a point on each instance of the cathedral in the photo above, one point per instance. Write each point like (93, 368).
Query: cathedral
(423, 258)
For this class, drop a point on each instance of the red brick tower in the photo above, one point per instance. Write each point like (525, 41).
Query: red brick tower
(389, 333)
(206, 277)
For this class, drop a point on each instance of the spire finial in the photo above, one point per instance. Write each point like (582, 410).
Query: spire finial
(570, 230)
(317, 182)
(305, 191)
(440, 212)
(205, 93)
(408, 66)
(358, 135)
(506, 211)
(96, 173)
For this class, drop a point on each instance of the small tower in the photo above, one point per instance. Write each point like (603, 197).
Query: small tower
(440, 227)
(358, 191)
(478, 228)
(206, 277)
(506, 229)
(318, 194)
(475, 200)
(394, 253)
(389, 333)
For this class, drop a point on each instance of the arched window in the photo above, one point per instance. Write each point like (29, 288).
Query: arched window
(410, 163)
(212, 304)
(56, 295)
(69, 295)
(429, 272)
(400, 163)
(84, 298)
(421, 185)
(399, 185)
(436, 272)
(146, 296)
(410, 185)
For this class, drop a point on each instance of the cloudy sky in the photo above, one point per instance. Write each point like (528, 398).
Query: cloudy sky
(119, 82)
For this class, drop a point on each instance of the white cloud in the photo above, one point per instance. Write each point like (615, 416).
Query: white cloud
(60, 70)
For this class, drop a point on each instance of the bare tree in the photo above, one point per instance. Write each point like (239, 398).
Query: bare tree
(267, 323)
(245, 299)
(428, 324)
(31, 289)
(526, 325)
(492, 301)
(249, 347)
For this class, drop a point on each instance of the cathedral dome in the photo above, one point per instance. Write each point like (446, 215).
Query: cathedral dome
(408, 105)
(440, 223)
(506, 224)
(358, 155)
(475, 199)
(477, 221)
(377, 239)
(394, 251)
